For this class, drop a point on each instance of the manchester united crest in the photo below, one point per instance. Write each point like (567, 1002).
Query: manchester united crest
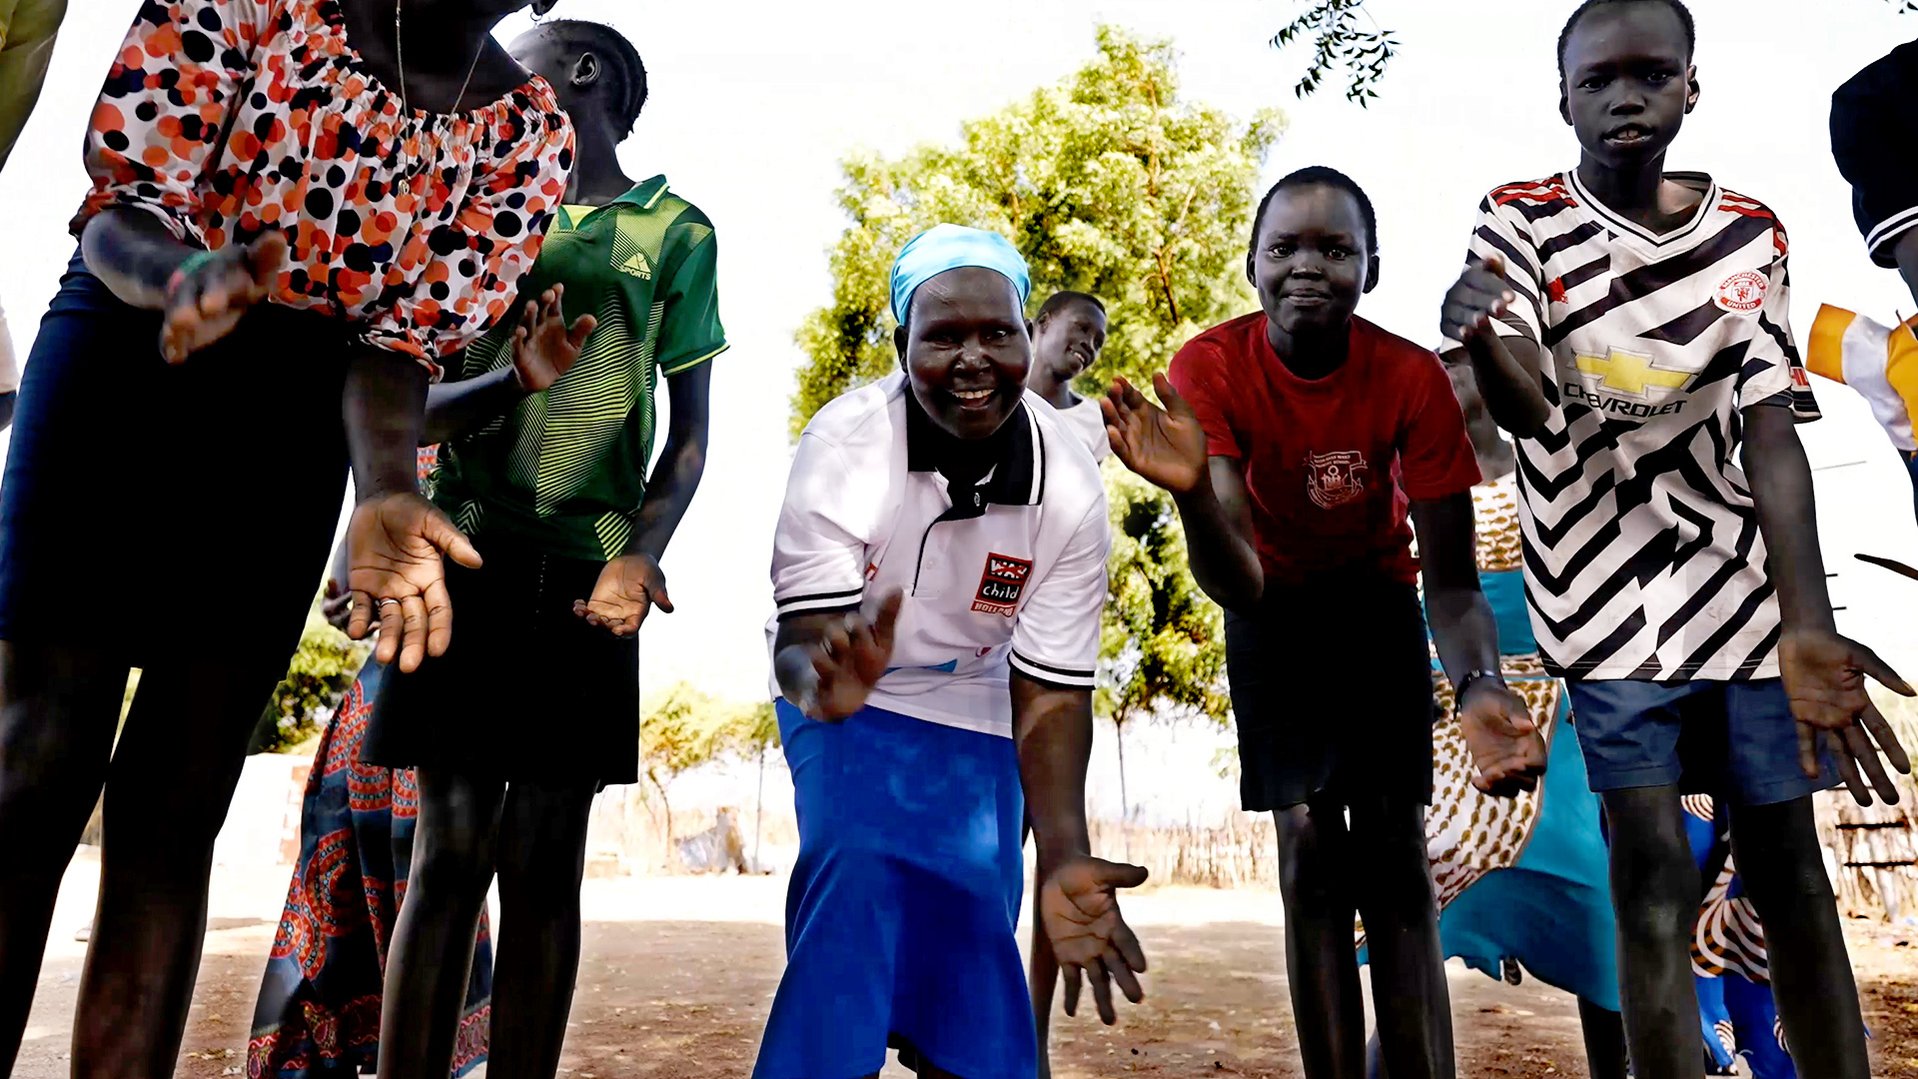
(1333, 479)
(1741, 292)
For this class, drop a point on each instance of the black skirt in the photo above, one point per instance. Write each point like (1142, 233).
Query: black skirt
(526, 691)
(156, 511)
(1332, 694)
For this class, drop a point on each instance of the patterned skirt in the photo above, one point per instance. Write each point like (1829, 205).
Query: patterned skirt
(319, 1008)
(1736, 1012)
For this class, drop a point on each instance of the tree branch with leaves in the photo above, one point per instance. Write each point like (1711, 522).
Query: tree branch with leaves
(1345, 38)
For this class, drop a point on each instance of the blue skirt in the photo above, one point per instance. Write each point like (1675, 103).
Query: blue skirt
(902, 913)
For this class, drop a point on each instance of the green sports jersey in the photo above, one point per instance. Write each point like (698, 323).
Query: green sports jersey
(565, 470)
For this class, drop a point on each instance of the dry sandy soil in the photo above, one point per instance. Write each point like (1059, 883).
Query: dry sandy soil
(678, 974)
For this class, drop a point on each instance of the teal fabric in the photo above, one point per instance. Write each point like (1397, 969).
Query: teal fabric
(1551, 910)
(948, 247)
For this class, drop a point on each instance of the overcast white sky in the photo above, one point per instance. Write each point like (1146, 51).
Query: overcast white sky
(754, 103)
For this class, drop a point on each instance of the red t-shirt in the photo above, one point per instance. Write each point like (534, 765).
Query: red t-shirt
(1331, 464)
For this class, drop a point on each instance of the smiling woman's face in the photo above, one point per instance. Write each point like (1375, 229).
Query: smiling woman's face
(966, 348)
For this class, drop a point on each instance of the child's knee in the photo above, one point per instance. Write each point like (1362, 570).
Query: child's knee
(454, 867)
(1312, 870)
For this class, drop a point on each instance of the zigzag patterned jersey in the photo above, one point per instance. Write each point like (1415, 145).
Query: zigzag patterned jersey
(1643, 557)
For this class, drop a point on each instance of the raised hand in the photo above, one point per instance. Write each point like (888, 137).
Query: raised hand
(1824, 676)
(1474, 303)
(1079, 909)
(849, 660)
(393, 547)
(544, 348)
(629, 587)
(205, 303)
(1165, 446)
(1506, 748)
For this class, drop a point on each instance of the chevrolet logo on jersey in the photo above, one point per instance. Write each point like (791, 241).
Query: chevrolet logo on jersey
(1621, 383)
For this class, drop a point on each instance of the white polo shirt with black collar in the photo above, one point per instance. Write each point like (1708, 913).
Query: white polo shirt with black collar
(1009, 574)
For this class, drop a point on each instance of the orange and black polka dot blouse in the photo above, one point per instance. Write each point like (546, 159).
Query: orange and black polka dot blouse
(228, 118)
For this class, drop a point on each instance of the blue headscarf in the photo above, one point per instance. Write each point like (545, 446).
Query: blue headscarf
(948, 247)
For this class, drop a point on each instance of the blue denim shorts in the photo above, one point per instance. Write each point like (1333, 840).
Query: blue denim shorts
(1733, 739)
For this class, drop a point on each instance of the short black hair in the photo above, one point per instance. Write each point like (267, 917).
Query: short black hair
(621, 59)
(1061, 300)
(1319, 176)
(1677, 7)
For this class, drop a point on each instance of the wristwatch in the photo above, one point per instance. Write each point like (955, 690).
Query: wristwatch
(1472, 677)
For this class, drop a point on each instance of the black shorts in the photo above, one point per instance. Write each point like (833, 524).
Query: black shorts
(1332, 694)
(526, 691)
(155, 511)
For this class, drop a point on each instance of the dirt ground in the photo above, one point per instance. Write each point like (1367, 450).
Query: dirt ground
(678, 974)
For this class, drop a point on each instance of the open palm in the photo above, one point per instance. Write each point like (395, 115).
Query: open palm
(1824, 676)
(1165, 446)
(397, 581)
(629, 587)
(1079, 910)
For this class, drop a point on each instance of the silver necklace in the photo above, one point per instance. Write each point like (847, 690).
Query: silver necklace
(399, 50)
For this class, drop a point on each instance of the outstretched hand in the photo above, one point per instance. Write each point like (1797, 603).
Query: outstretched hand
(628, 588)
(204, 305)
(544, 347)
(393, 561)
(1507, 751)
(1474, 303)
(1165, 446)
(1079, 909)
(848, 661)
(1824, 676)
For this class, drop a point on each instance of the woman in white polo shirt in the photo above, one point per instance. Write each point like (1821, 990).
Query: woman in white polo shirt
(939, 569)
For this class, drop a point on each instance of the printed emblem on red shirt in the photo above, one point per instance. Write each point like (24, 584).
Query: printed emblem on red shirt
(1001, 584)
(1555, 290)
(1333, 479)
(1742, 291)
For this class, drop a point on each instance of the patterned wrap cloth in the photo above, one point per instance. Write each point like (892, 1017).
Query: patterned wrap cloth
(1525, 880)
(319, 1009)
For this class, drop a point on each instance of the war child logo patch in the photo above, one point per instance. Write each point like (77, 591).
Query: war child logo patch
(1001, 584)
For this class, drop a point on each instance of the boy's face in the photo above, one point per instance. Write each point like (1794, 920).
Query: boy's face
(966, 349)
(1067, 342)
(1313, 260)
(1628, 82)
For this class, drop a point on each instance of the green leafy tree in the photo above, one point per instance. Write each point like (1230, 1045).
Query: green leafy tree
(321, 672)
(1110, 183)
(1160, 645)
(686, 728)
(1344, 37)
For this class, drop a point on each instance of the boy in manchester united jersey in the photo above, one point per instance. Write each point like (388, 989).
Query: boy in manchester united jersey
(1629, 326)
